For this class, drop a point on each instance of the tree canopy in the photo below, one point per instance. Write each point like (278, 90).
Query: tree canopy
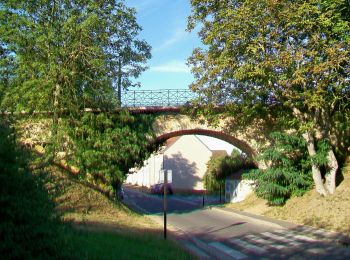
(62, 56)
(70, 53)
(289, 54)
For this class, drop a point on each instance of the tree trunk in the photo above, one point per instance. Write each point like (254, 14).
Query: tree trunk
(120, 82)
(331, 175)
(316, 172)
(55, 118)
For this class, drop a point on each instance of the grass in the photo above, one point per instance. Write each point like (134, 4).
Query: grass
(105, 245)
(105, 229)
(331, 212)
(46, 214)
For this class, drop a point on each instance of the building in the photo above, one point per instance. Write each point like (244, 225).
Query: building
(186, 156)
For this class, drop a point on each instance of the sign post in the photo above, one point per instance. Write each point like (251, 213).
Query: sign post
(165, 200)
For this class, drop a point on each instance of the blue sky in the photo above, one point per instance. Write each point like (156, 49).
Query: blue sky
(164, 28)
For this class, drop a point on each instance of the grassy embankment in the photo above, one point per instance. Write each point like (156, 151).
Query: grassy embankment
(330, 212)
(47, 214)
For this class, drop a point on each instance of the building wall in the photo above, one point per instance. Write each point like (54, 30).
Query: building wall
(187, 158)
(148, 174)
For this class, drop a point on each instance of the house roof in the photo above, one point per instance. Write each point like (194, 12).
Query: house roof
(215, 153)
(171, 141)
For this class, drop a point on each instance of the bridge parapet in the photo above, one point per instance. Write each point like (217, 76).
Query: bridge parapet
(157, 98)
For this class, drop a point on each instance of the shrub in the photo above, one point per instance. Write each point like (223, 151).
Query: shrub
(105, 146)
(288, 172)
(219, 168)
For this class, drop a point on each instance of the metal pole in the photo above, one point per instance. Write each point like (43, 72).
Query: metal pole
(203, 199)
(165, 200)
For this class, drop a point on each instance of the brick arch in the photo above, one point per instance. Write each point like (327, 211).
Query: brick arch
(243, 146)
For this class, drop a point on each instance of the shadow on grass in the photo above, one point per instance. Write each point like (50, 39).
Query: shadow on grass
(30, 225)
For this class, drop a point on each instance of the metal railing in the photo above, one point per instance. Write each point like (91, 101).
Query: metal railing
(155, 98)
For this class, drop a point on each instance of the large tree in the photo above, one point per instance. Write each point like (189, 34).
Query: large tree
(289, 54)
(70, 53)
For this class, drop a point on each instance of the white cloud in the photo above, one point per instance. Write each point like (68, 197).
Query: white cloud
(172, 67)
(143, 5)
(179, 35)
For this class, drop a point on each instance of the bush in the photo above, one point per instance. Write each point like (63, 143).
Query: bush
(105, 146)
(219, 168)
(288, 173)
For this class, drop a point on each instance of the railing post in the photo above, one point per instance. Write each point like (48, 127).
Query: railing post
(134, 98)
(168, 97)
(165, 97)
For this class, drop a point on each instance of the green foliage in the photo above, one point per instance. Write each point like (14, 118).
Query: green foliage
(288, 173)
(105, 146)
(263, 55)
(70, 53)
(219, 168)
(29, 227)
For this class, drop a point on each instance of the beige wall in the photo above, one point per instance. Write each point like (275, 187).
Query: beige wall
(187, 158)
(148, 174)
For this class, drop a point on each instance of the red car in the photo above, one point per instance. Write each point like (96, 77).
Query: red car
(159, 189)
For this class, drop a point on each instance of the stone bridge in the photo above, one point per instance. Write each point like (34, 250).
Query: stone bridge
(173, 121)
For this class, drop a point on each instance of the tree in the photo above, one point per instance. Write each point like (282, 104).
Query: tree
(70, 53)
(289, 169)
(293, 55)
(7, 67)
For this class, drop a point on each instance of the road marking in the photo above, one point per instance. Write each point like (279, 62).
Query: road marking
(296, 235)
(139, 208)
(249, 246)
(185, 201)
(281, 238)
(227, 250)
(196, 250)
(265, 242)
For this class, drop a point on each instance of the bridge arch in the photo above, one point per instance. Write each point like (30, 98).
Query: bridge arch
(243, 146)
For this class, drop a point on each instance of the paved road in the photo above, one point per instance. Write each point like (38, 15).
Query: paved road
(219, 233)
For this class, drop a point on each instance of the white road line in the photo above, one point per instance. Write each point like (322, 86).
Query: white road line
(305, 238)
(185, 201)
(296, 235)
(253, 248)
(139, 208)
(196, 250)
(227, 250)
(267, 243)
(281, 238)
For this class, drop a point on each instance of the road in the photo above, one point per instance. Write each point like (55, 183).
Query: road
(214, 232)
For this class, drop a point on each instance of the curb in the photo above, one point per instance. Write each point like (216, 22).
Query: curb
(273, 223)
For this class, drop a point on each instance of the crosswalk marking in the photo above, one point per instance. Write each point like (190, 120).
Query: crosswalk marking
(227, 250)
(265, 242)
(249, 246)
(197, 251)
(296, 235)
(281, 238)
